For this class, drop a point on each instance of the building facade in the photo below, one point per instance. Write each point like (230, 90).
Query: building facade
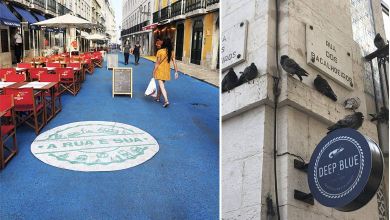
(193, 26)
(269, 122)
(136, 21)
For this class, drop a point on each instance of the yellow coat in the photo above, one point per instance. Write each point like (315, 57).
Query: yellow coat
(163, 71)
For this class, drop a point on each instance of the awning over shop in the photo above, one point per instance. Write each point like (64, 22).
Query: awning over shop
(150, 27)
(40, 17)
(6, 16)
(27, 16)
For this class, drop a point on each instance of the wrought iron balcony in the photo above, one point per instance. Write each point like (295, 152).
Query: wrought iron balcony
(192, 5)
(51, 5)
(40, 3)
(24, 2)
(135, 28)
(164, 13)
(155, 17)
(176, 8)
(211, 2)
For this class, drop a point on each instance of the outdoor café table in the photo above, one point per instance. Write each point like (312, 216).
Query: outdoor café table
(5, 84)
(41, 87)
(37, 63)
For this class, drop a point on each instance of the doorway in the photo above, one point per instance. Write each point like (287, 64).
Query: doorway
(179, 41)
(197, 38)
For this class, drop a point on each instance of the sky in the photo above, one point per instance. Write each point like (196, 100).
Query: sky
(117, 6)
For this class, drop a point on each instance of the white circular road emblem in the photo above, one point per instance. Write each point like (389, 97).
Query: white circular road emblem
(94, 146)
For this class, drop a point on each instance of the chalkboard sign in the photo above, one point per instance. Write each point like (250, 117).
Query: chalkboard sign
(112, 61)
(122, 81)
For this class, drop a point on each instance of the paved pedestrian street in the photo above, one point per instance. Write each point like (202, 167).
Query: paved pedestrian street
(178, 180)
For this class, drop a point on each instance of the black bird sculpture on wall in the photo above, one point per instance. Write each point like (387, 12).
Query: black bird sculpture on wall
(250, 73)
(354, 121)
(379, 42)
(230, 81)
(290, 66)
(323, 87)
(382, 116)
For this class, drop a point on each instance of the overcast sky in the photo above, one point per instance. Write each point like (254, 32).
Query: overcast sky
(117, 6)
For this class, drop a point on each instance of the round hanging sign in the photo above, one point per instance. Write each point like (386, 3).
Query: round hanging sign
(94, 146)
(345, 170)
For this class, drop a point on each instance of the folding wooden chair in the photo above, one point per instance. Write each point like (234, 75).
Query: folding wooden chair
(15, 77)
(56, 65)
(69, 81)
(29, 107)
(25, 65)
(77, 68)
(35, 72)
(8, 146)
(57, 95)
(98, 59)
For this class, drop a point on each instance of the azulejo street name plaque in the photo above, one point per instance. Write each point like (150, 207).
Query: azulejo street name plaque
(233, 50)
(94, 146)
(329, 57)
(345, 170)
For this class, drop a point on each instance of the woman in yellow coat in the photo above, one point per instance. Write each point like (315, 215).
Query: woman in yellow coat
(162, 68)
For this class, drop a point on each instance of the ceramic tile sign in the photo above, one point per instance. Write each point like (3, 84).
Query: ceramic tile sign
(329, 57)
(233, 50)
(345, 170)
(94, 146)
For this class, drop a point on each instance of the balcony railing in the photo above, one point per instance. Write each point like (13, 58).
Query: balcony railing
(135, 28)
(40, 3)
(176, 8)
(51, 5)
(211, 2)
(155, 17)
(192, 5)
(164, 13)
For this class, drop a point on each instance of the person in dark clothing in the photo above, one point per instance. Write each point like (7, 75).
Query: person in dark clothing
(126, 50)
(18, 46)
(136, 52)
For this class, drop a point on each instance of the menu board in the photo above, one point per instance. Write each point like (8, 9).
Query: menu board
(112, 61)
(122, 81)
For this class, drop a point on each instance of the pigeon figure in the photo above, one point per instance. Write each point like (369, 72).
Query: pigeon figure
(352, 103)
(230, 81)
(249, 74)
(382, 116)
(323, 87)
(354, 121)
(379, 42)
(290, 66)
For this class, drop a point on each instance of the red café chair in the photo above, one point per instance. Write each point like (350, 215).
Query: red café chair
(56, 65)
(77, 68)
(6, 71)
(15, 77)
(68, 80)
(8, 146)
(57, 95)
(25, 65)
(35, 72)
(98, 59)
(29, 107)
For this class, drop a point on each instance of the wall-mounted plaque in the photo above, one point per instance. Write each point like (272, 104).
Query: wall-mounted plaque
(122, 81)
(233, 50)
(112, 61)
(329, 57)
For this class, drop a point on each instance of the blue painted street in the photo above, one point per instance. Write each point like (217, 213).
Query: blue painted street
(180, 182)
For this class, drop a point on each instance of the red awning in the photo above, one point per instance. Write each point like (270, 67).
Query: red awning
(150, 27)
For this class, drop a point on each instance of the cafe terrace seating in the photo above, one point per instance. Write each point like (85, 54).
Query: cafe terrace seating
(35, 72)
(8, 145)
(13, 77)
(29, 107)
(69, 81)
(57, 95)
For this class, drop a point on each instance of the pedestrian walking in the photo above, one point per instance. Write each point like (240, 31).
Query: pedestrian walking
(126, 50)
(136, 52)
(18, 46)
(162, 68)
